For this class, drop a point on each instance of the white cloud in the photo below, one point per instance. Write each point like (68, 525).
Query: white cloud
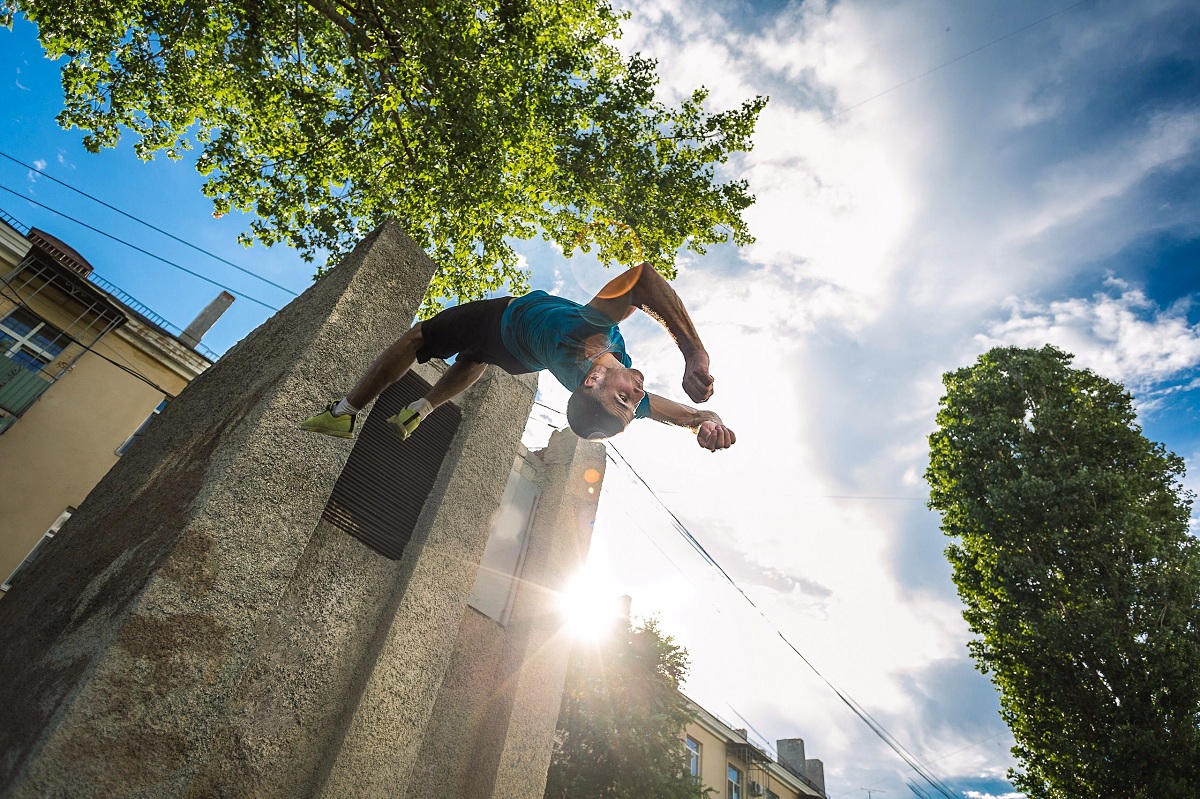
(1118, 333)
(1078, 188)
(31, 176)
(884, 236)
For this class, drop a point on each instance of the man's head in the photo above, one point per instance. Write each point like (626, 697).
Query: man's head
(604, 403)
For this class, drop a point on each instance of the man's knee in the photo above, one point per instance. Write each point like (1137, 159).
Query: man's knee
(412, 340)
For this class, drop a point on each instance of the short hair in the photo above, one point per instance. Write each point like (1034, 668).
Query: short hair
(589, 418)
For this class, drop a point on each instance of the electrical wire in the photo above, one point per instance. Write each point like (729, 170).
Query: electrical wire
(954, 60)
(865, 716)
(128, 215)
(139, 249)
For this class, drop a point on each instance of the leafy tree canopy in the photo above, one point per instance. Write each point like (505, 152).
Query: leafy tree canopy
(468, 122)
(1072, 554)
(620, 729)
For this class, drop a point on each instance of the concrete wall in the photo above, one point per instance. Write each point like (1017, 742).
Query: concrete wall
(492, 730)
(195, 630)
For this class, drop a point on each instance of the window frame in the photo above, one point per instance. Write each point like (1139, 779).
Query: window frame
(695, 754)
(35, 552)
(733, 780)
(141, 428)
(23, 343)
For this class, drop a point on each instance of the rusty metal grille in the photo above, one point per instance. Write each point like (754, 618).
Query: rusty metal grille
(379, 495)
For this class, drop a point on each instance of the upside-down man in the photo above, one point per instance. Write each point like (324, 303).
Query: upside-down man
(580, 345)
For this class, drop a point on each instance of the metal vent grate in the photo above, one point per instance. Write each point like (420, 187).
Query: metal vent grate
(380, 493)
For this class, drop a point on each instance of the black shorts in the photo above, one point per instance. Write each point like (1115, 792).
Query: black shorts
(472, 332)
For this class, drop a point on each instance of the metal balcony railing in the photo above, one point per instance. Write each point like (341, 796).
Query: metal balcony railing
(129, 300)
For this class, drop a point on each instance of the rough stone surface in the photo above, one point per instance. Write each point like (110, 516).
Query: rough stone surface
(492, 730)
(535, 664)
(126, 641)
(196, 630)
(791, 753)
(385, 726)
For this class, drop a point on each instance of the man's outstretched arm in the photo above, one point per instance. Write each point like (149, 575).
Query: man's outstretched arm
(643, 287)
(711, 432)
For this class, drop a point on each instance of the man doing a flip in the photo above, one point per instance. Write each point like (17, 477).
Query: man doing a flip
(580, 345)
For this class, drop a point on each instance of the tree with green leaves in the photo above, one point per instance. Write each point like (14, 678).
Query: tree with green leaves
(620, 729)
(470, 123)
(1081, 582)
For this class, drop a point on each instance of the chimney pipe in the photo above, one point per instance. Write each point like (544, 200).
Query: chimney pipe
(211, 313)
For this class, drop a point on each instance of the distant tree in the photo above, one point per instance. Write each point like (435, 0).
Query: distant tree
(471, 122)
(620, 729)
(1071, 551)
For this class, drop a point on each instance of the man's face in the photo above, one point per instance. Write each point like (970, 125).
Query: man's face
(620, 390)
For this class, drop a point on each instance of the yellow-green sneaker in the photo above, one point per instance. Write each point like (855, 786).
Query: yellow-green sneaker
(329, 425)
(404, 423)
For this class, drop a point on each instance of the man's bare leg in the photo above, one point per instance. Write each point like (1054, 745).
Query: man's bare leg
(457, 379)
(389, 367)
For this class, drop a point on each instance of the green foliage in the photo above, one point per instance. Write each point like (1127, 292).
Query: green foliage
(1072, 554)
(621, 724)
(470, 123)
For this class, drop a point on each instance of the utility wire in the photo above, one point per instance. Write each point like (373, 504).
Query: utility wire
(139, 249)
(954, 60)
(128, 215)
(872, 723)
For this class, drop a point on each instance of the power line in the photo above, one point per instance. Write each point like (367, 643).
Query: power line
(865, 716)
(954, 60)
(139, 249)
(872, 723)
(128, 215)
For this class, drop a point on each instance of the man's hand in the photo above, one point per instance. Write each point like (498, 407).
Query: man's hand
(697, 382)
(714, 436)
(711, 432)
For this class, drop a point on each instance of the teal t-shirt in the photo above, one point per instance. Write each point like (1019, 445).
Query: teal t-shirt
(547, 332)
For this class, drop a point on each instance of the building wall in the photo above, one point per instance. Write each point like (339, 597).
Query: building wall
(57, 451)
(716, 739)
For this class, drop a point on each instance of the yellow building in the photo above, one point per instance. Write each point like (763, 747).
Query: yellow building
(84, 366)
(724, 760)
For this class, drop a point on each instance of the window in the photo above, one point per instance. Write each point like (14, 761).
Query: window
(37, 550)
(693, 758)
(496, 584)
(29, 341)
(121, 450)
(735, 783)
(771, 794)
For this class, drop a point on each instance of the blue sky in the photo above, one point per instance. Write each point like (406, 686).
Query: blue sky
(1041, 189)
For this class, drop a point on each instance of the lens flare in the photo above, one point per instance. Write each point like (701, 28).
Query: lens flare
(588, 607)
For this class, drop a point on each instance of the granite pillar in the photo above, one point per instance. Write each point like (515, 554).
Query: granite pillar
(195, 628)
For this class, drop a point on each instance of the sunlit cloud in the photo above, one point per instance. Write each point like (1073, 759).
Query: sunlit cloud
(1118, 333)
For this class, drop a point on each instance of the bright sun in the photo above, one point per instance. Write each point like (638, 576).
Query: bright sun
(588, 606)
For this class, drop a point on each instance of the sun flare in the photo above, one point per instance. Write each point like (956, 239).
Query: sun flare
(588, 606)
